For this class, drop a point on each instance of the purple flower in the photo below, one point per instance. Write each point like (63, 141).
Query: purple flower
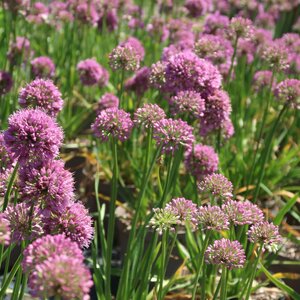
(227, 129)
(189, 102)
(217, 111)
(109, 18)
(4, 231)
(139, 83)
(124, 57)
(6, 158)
(266, 234)
(20, 49)
(216, 24)
(74, 222)
(186, 71)
(38, 13)
(25, 222)
(288, 91)
(197, 8)
(47, 184)
(212, 218)
(48, 246)
(91, 73)
(262, 79)
(184, 209)
(157, 28)
(33, 135)
(16, 5)
(84, 11)
(42, 67)
(218, 185)
(171, 134)
(6, 82)
(201, 160)
(43, 94)
(226, 253)
(158, 75)
(108, 100)
(4, 180)
(240, 27)
(61, 276)
(112, 122)
(148, 115)
(136, 45)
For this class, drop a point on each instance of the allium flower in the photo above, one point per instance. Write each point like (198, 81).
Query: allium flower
(136, 45)
(267, 234)
(75, 222)
(108, 100)
(288, 91)
(187, 102)
(6, 158)
(215, 24)
(46, 184)
(6, 82)
(42, 67)
(43, 94)
(33, 135)
(158, 29)
(125, 58)
(19, 49)
(229, 254)
(85, 11)
(212, 218)
(4, 230)
(242, 212)
(186, 71)
(158, 75)
(139, 83)
(247, 49)
(61, 276)
(227, 129)
(164, 219)
(201, 160)
(262, 79)
(110, 19)
(171, 134)
(112, 122)
(4, 179)
(48, 246)
(218, 185)
(25, 222)
(197, 8)
(240, 27)
(38, 13)
(91, 73)
(16, 5)
(217, 111)
(185, 209)
(148, 115)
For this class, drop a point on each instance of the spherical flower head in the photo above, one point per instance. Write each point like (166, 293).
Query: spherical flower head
(6, 82)
(43, 94)
(46, 184)
(25, 222)
(240, 27)
(4, 230)
(108, 100)
(197, 8)
(217, 111)
(148, 115)
(109, 18)
(186, 71)
(254, 213)
(164, 219)
(91, 73)
(6, 158)
(171, 134)
(42, 67)
(218, 185)
(61, 276)
(185, 209)
(139, 83)
(112, 122)
(84, 11)
(20, 49)
(288, 91)
(262, 79)
(266, 234)
(158, 75)
(201, 161)
(38, 13)
(75, 222)
(212, 218)
(136, 45)
(215, 23)
(32, 135)
(189, 102)
(48, 246)
(276, 55)
(227, 130)
(224, 252)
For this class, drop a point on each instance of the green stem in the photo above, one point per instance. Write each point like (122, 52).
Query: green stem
(111, 222)
(232, 59)
(10, 186)
(223, 294)
(163, 261)
(217, 290)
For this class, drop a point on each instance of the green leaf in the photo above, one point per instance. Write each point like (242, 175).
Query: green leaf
(280, 284)
(285, 209)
